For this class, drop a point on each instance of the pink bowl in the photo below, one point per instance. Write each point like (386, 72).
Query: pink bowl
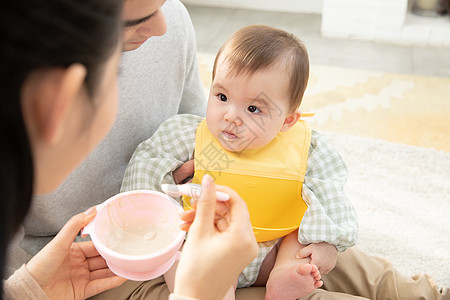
(139, 207)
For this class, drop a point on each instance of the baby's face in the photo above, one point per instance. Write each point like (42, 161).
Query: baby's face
(247, 112)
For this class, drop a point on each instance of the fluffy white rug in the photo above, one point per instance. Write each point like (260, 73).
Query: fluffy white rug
(402, 198)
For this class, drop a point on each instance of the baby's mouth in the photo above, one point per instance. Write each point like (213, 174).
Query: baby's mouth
(229, 137)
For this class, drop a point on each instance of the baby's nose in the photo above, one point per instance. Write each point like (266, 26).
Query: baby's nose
(232, 117)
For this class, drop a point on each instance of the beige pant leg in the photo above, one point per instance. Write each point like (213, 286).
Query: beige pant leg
(372, 277)
(320, 294)
(356, 276)
(156, 289)
(133, 290)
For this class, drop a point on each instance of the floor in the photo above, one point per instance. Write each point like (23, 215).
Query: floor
(213, 25)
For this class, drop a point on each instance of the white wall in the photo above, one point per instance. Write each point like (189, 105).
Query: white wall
(362, 18)
(305, 6)
(383, 20)
(375, 20)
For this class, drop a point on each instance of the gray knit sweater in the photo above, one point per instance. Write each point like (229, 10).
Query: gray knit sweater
(156, 81)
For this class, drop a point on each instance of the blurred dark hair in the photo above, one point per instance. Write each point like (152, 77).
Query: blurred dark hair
(39, 34)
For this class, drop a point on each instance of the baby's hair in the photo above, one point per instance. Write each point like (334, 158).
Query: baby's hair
(257, 47)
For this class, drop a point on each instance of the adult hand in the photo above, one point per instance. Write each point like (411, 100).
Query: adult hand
(323, 255)
(184, 172)
(67, 270)
(219, 246)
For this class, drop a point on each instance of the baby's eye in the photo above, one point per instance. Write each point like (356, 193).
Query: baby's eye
(253, 109)
(222, 97)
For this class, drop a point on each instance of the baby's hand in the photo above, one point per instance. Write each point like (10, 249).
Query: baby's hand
(323, 255)
(184, 173)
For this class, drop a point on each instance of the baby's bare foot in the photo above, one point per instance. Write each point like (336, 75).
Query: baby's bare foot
(294, 282)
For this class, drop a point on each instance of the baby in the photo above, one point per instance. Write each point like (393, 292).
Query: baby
(253, 128)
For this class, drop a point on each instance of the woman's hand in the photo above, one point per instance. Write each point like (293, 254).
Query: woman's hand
(67, 270)
(220, 245)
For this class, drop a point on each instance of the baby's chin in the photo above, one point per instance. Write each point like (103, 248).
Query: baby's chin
(235, 147)
(230, 147)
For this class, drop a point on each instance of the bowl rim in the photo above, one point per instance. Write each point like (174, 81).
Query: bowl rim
(104, 249)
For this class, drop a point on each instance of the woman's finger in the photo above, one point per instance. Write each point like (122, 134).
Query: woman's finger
(206, 204)
(222, 224)
(71, 229)
(222, 209)
(185, 226)
(188, 215)
(238, 207)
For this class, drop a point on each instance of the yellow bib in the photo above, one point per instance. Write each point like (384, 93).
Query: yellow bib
(269, 178)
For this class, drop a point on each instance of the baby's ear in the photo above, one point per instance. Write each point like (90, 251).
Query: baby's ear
(290, 121)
